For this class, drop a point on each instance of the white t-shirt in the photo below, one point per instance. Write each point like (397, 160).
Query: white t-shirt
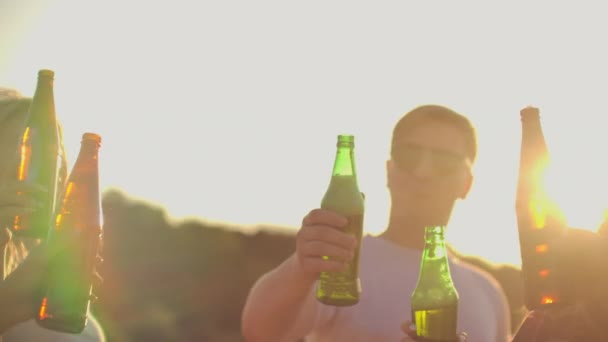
(388, 275)
(30, 331)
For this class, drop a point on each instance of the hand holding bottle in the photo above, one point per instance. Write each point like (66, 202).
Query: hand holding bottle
(16, 199)
(21, 289)
(321, 235)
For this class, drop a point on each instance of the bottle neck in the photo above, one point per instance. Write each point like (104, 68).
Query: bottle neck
(344, 164)
(343, 194)
(434, 266)
(434, 243)
(532, 135)
(87, 157)
(42, 109)
(45, 83)
(89, 147)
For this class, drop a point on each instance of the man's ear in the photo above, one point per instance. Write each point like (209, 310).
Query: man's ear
(390, 166)
(466, 185)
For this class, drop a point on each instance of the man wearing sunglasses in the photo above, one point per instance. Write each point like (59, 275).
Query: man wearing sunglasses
(430, 167)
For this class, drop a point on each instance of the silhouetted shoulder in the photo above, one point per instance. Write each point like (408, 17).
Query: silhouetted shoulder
(478, 275)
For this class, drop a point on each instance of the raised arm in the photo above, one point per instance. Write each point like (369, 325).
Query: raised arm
(281, 305)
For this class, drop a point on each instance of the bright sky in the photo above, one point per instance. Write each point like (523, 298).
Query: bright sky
(229, 110)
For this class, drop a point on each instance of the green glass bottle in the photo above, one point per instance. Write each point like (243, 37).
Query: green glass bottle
(343, 197)
(39, 157)
(434, 302)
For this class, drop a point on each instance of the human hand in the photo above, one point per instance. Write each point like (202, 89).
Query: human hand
(321, 246)
(21, 290)
(5, 238)
(16, 199)
(410, 331)
(97, 279)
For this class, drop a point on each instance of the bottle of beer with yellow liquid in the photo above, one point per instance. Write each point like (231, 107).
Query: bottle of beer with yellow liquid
(343, 197)
(434, 302)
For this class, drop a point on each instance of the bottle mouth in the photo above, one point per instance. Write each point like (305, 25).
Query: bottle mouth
(346, 140)
(434, 230)
(88, 136)
(46, 73)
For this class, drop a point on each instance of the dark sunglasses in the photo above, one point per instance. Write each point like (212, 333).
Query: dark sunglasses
(408, 157)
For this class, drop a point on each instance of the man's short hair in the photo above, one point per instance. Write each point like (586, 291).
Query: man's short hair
(426, 113)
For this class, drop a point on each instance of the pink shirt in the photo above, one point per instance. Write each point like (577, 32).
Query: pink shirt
(388, 275)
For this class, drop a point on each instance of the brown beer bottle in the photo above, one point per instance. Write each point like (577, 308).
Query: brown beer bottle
(39, 158)
(66, 300)
(434, 302)
(539, 220)
(343, 197)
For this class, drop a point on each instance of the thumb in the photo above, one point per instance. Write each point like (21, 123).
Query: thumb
(5, 237)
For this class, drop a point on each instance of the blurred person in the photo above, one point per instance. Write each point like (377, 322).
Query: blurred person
(25, 260)
(430, 168)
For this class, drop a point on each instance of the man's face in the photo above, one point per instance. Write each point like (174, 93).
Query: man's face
(428, 171)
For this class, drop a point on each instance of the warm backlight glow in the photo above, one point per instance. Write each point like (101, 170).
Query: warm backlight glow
(539, 213)
(542, 248)
(68, 190)
(26, 153)
(547, 300)
(42, 314)
(539, 204)
(543, 273)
